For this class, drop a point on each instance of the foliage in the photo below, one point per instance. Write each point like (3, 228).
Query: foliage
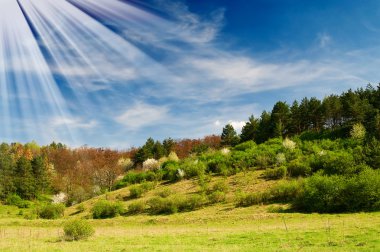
(175, 203)
(51, 211)
(331, 194)
(151, 164)
(77, 230)
(15, 200)
(137, 191)
(136, 207)
(104, 209)
(275, 173)
(358, 131)
(229, 136)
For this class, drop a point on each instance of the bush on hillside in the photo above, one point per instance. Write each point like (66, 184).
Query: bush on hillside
(275, 173)
(333, 194)
(15, 200)
(51, 211)
(136, 207)
(77, 230)
(104, 209)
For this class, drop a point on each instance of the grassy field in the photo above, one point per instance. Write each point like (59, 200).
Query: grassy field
(221, 227)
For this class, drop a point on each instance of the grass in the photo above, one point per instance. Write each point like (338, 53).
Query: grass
(220, 227)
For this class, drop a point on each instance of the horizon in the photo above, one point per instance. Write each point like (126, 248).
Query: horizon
(113, 73)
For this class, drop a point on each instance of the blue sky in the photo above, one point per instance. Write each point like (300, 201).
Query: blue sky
(113, 73)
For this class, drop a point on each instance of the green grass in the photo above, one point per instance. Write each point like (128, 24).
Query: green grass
(220, 227)
(217, 228)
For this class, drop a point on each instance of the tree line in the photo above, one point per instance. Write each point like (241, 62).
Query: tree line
(331, 117)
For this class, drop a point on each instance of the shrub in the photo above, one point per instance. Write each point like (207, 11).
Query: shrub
(151, 164)
(15, 200)
(170, 170)
(289, 144)
(276, 173)
(158, 205)
(332, 194)
(193, 168)
(220, 186)
(216, 197)
(285, 191)
(105, 209)
(245, 146)
(51, 211)
(297, 168)
(245, 200)
(136, 207)
(337, 162)
(174, 204)
(173, 156)
(165, 193)
(78, 230)
(136, 191)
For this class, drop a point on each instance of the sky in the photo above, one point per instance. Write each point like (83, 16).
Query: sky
(111, 73)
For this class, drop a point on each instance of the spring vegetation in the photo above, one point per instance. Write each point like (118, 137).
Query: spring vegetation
(228, 192)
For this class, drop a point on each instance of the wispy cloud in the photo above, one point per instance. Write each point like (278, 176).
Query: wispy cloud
(142, 114)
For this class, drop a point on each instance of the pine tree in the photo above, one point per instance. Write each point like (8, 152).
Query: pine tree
(229, 136)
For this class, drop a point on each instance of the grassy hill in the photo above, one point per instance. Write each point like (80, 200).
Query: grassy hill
(217, 227)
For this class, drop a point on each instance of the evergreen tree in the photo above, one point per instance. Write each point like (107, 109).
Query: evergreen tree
(250, 130)
(279, 119)
(229, 136)
(263, 133)
(40, 174)
(24, 181)
(158, 150)
(168, 145)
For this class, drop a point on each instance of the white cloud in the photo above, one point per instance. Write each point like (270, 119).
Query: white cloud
(142, 114)
(71, 122)
(238, 125)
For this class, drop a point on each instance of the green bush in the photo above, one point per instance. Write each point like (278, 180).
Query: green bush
(246, 200)
(333, 194)
(137, 191)
(216, 197)
(335, 162)
(276, 173)
(193, 168)
(158, 205)
(220, 186)
(175, 203)
(170, 171)
(51, 211)
(166, 192)
(77, 230)
(298, 168)
(15, 200)
(285, 191)
(136, 207)
(105, 209)
(136, 178)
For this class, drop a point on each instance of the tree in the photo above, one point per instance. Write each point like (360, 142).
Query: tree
(24, 181)
(158, 150)
(333, 111)
(168, 145)
(229, 136)
(315, 114)
(279, 119)
(40, 174)
(250, 129)
(263, 133)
